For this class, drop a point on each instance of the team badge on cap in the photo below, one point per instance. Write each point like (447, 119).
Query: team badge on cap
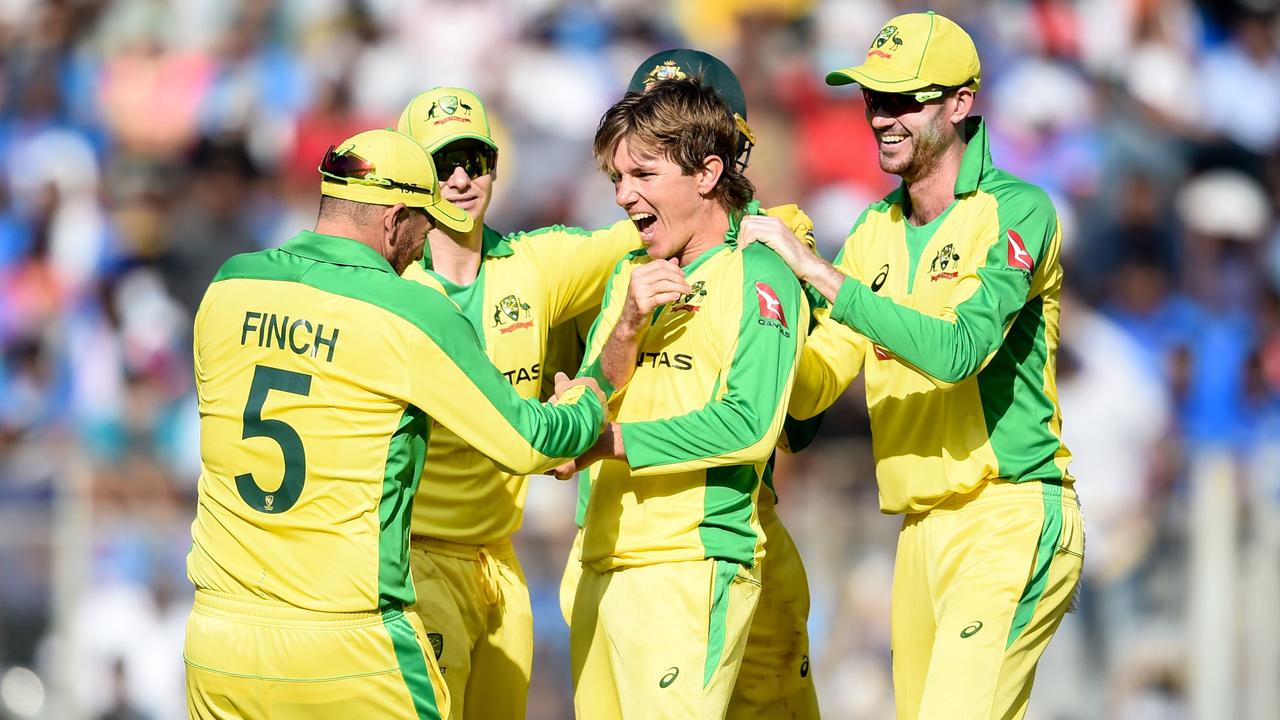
(885, 43)
(668, 70)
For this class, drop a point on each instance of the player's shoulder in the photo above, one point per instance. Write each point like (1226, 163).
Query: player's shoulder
(1013, 194)
(760, 262)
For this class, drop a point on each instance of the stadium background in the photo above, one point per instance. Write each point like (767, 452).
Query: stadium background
(142, 142)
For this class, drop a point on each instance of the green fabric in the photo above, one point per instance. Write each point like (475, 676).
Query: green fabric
(492, 244)
(1050, 531)
(727, 506)
(413, 665)
(917, 238)
(717, 624)
(336, 265)
(406, 453)
(757, 377)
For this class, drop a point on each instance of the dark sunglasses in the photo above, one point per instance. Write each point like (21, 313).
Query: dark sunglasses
(346, 166)
(473, 161)
(902, 103)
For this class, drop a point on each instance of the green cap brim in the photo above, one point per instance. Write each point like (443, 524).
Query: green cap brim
(881, 79)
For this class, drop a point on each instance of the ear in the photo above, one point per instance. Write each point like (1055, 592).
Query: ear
(963, 105)
(390, 215)
(709, 174)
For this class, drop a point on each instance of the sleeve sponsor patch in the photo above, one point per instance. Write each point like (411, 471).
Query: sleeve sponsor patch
(1018, 255)
(770, 305)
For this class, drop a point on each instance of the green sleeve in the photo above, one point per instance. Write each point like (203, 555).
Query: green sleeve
(742, 425)
(953, 348)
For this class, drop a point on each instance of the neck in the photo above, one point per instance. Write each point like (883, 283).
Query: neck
(711, 227)
(455, 255)
(930, 194)
(343, 227)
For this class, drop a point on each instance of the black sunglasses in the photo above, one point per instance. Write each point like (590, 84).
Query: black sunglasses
(475, 162)
(895, 104)
(346, 166)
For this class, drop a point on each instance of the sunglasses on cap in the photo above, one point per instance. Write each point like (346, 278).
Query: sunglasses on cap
(902, 103)
(346, 166)
(474, 161)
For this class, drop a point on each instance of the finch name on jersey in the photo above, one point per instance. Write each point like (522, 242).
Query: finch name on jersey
(295, 334)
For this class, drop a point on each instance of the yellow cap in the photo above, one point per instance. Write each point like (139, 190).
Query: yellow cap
(384, 167)
(913, 52)
(439, 116)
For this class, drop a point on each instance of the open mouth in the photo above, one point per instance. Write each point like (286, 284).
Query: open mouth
(645, 223)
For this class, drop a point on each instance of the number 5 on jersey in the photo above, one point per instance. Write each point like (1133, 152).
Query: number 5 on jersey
(266, 379)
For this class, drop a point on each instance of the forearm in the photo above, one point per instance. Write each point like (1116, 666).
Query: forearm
(618, 358)
(821, 276)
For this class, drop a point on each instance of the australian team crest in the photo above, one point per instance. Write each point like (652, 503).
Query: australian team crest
(691, 302)
(511, 313)
(945, 265)
(668, 70)
(449, 105)
(886, 42)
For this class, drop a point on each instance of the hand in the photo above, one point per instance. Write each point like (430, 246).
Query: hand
(655, 283)
(773, 232)
(565, 471)
(607, 447)
(563, 383)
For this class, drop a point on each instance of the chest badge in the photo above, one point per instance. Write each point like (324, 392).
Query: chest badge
(511, 313)
(945, 265)
(692, 302)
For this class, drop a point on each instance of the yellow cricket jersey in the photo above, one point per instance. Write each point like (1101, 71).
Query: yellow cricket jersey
(702, 413)
(528, 283)
(319, 375)
(959, 330)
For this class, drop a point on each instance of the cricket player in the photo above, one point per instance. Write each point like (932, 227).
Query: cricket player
(513, 289)
(775, 678)
(320, 373)
(696, 344)
(953, 280)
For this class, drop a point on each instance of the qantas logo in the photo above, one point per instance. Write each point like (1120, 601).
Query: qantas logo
(1018, 255)
(770, 305)
(881, 353)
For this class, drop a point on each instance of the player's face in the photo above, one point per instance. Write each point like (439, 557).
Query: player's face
(660, 199)
(463, 177)
(410, 237)
(911, 136)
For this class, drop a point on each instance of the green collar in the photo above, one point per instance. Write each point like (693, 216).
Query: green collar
(492, 244)
(336, 250)
(735, 219)
(975, 163)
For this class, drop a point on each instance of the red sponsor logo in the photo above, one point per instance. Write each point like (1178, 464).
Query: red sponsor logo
(881, 353)
(770, 305)
(517, 326)
(1018, 255)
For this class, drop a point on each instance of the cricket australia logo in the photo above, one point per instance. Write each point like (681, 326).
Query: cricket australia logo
(945, 265)
(692, 302)
(668, 70)
(449, 105)
(511, 313)
(885, 43)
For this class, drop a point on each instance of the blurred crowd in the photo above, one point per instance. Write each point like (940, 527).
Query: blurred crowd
(142, 142)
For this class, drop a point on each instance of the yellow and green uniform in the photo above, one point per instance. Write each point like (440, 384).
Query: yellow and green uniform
(472, 595)
(319, 375)
(699, 419)
(959, 326)
(774, 678)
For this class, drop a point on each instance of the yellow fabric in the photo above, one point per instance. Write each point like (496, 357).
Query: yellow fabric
(915, 51)
(960, 572)
(258, 660)
(473, 602)
(441, 115)
(324, 553)
(919, 463)
(649, 514)
(776, 677)
(639, 640)
(559, 273)
(569, 579)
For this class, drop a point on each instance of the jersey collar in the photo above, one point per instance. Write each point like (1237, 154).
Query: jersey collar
(336, 250)
(492, 244)
(735, 221)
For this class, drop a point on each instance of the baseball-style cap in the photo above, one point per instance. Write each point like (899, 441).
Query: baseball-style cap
(706, 68)
(384, 167)
(441, 115)
(913, 52)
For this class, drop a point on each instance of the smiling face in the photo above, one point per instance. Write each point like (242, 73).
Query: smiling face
(912, 137)
(665, 204)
